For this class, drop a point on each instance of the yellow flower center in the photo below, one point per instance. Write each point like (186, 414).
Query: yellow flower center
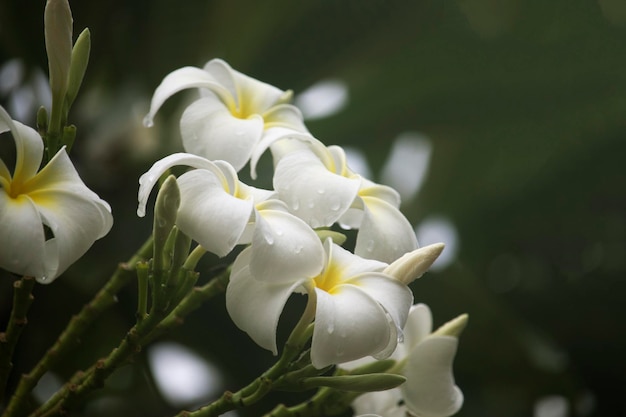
(329, 279)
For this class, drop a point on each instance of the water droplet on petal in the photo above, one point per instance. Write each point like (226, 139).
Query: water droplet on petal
(335, 205)
(331, 328)
(369, 246)
(279, 232)
(147, 122)
(311, 204)
(295, 205)
(321, 191)
(269, 239)
(298, 249)
(43, 278)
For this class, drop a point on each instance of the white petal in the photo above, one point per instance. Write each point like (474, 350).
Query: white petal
(148, 180)
(29, 151)
(349, 325)
(253, 96)
(326, 195)
(284, 115)
(350, 264)
(210, 130)
(380, 403)
(284, 248)
(383, 192)
(76, 216)
(256, 306)
(418, 325)
(429, 390)
(395, 297)
(385, 234)
(21, 236)
(274, 136)
(210, 215)
(181, 79)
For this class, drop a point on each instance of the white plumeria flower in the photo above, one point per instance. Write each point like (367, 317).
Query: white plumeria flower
(426, 361)
(358, 311)
(334, 193)
(54, 197)
(218, 211)
(233, 114)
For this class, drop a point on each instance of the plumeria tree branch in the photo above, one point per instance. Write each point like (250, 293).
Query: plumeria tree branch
(22, 299)
(103, 300)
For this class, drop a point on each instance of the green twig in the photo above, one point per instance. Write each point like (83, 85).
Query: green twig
(22, 299)
(104, 299)
(258, 388)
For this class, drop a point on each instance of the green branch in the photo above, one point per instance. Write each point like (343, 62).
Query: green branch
(104, 299)
(22, 299)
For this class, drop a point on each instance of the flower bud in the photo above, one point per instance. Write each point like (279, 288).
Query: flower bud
(78, 66)
(454, 327)
(356, 383)
(165, 213)
(58, 34)
(412, 265)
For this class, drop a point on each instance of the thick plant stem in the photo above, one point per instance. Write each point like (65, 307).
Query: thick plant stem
(22, 299)
(262, 385)
(104, 299)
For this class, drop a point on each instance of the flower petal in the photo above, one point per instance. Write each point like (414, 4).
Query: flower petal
(326, 195)
(349, 325)
(210, 130)
(284, 248)
(284, 115)
(350, 264)
(395, 297)
(148, 180)
(28, 147)
(181, 79)
(379, 403)
(210, 215)
(253, 96)
(21, 236)
(385, 234)
(255, 306)
(429, 390)
(418, 326)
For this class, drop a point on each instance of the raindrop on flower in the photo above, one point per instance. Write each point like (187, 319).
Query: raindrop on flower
(321, 191)
(370, 246)
(147, 122)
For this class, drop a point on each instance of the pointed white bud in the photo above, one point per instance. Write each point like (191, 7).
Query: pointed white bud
(412, 265)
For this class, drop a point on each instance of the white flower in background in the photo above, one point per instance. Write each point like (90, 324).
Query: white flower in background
(218, 211)
(426, 361)
(235, 112)
(334, 193)
(54, 198)
(358, 313)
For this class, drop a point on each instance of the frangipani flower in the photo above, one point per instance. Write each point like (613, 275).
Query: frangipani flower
(233, 114)
(54, 198)
(426, 362)
(218, 211)
(336, 194)
(358, 311)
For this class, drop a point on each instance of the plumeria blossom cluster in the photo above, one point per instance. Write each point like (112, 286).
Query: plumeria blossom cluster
(360, 339)
(362, 298)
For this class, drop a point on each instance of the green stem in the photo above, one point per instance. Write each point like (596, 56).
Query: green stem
(151, 326)
(22, 299)
(104, 299)
(258, 388)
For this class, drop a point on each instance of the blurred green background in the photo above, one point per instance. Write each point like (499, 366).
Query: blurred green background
(523, 105)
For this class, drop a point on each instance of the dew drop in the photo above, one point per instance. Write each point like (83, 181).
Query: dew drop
(279, 232)
(335, 206)
(321, 191)
(269, 239)
(43, 278)
(331, 328)
(370, 246)
(297, 249)
(147, 121)
(296, 204)
(400, 337)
